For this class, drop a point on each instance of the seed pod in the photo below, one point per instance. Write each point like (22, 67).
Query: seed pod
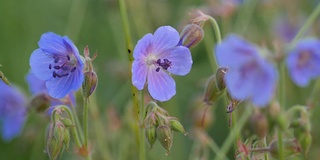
(165, 137)
(150, 135)
(89, 84)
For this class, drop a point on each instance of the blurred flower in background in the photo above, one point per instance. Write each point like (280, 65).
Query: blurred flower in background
(12, 111)
(57, 62)
(156, 55)
(303, 61)
(250, 76)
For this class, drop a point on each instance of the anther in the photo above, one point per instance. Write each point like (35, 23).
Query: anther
(158, 69)
(68, 57)
(50, 66)
(54, 74)
(56, 67)
(73, 69)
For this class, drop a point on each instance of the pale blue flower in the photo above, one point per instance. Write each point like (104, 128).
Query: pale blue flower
(249, 76)
(58, 63)
(155, 58)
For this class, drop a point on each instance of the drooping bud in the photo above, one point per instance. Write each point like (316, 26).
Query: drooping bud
(259, 124)
(40, 102)
(290, 147)
(66, 122)
(191, 35)
(305, 141)
(151, 135)
(165, 137)
(211, 92)
(53, 146)
(89, 83)
(220, 73)
(175, 125)
(61, 133)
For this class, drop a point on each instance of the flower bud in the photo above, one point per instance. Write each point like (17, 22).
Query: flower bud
(175, 125)
(150, 108)
(221, 71)
(66, 122)
(165, 137)
(211, 92)
(290, 147)
(150, 135)
(191, 35)
(40, 102)
(53, 146)
(89, 83)
(305, 141)
(61, 133)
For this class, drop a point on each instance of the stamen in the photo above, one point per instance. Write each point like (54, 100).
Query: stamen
(50, 66)
(68, 57)
(54, 74)
(158, 69)
(165, 64)
(73, 69)
(56, 67)
(56, 58)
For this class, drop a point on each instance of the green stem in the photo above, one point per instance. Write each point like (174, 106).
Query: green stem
(74, 130)
(234, 133)
(307, 25)
(280, 145)
(86, 125)
(216, 29)
(126, 29)
(142, 147)
(77, 121)
(245, 15)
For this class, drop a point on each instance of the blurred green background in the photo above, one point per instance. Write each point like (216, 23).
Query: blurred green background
(97, 23)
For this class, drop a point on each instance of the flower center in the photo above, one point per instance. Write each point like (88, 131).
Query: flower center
(159, 63)
(63, 65)
(304, 57)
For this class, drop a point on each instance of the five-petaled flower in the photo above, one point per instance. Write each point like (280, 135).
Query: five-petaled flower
(249, 76)
(155, 57)
(12, 111)
(57, 61)
(303, 61)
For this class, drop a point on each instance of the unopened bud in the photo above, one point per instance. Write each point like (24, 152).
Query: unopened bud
(150, 108)
(211, 92)
(175, 125)
(290, 147)
(305, 141)
(66, 122)
(89, 83)
(220, 73)
(259, 124)
(165, 137)
(191, 35)
(151, 135)
(40, 102)
(53, 146)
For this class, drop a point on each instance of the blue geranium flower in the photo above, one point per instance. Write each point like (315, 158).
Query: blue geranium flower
(303, 61)
(249, 75)
(12, 111)
(155, 57)
(58, 63)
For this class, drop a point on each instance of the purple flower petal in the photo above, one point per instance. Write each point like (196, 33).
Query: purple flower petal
(139, 74)
(160, 85)
(143, 47)
(35, 84)
(164, 38)
(52, 43)
(40, 61)
(180, 58)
